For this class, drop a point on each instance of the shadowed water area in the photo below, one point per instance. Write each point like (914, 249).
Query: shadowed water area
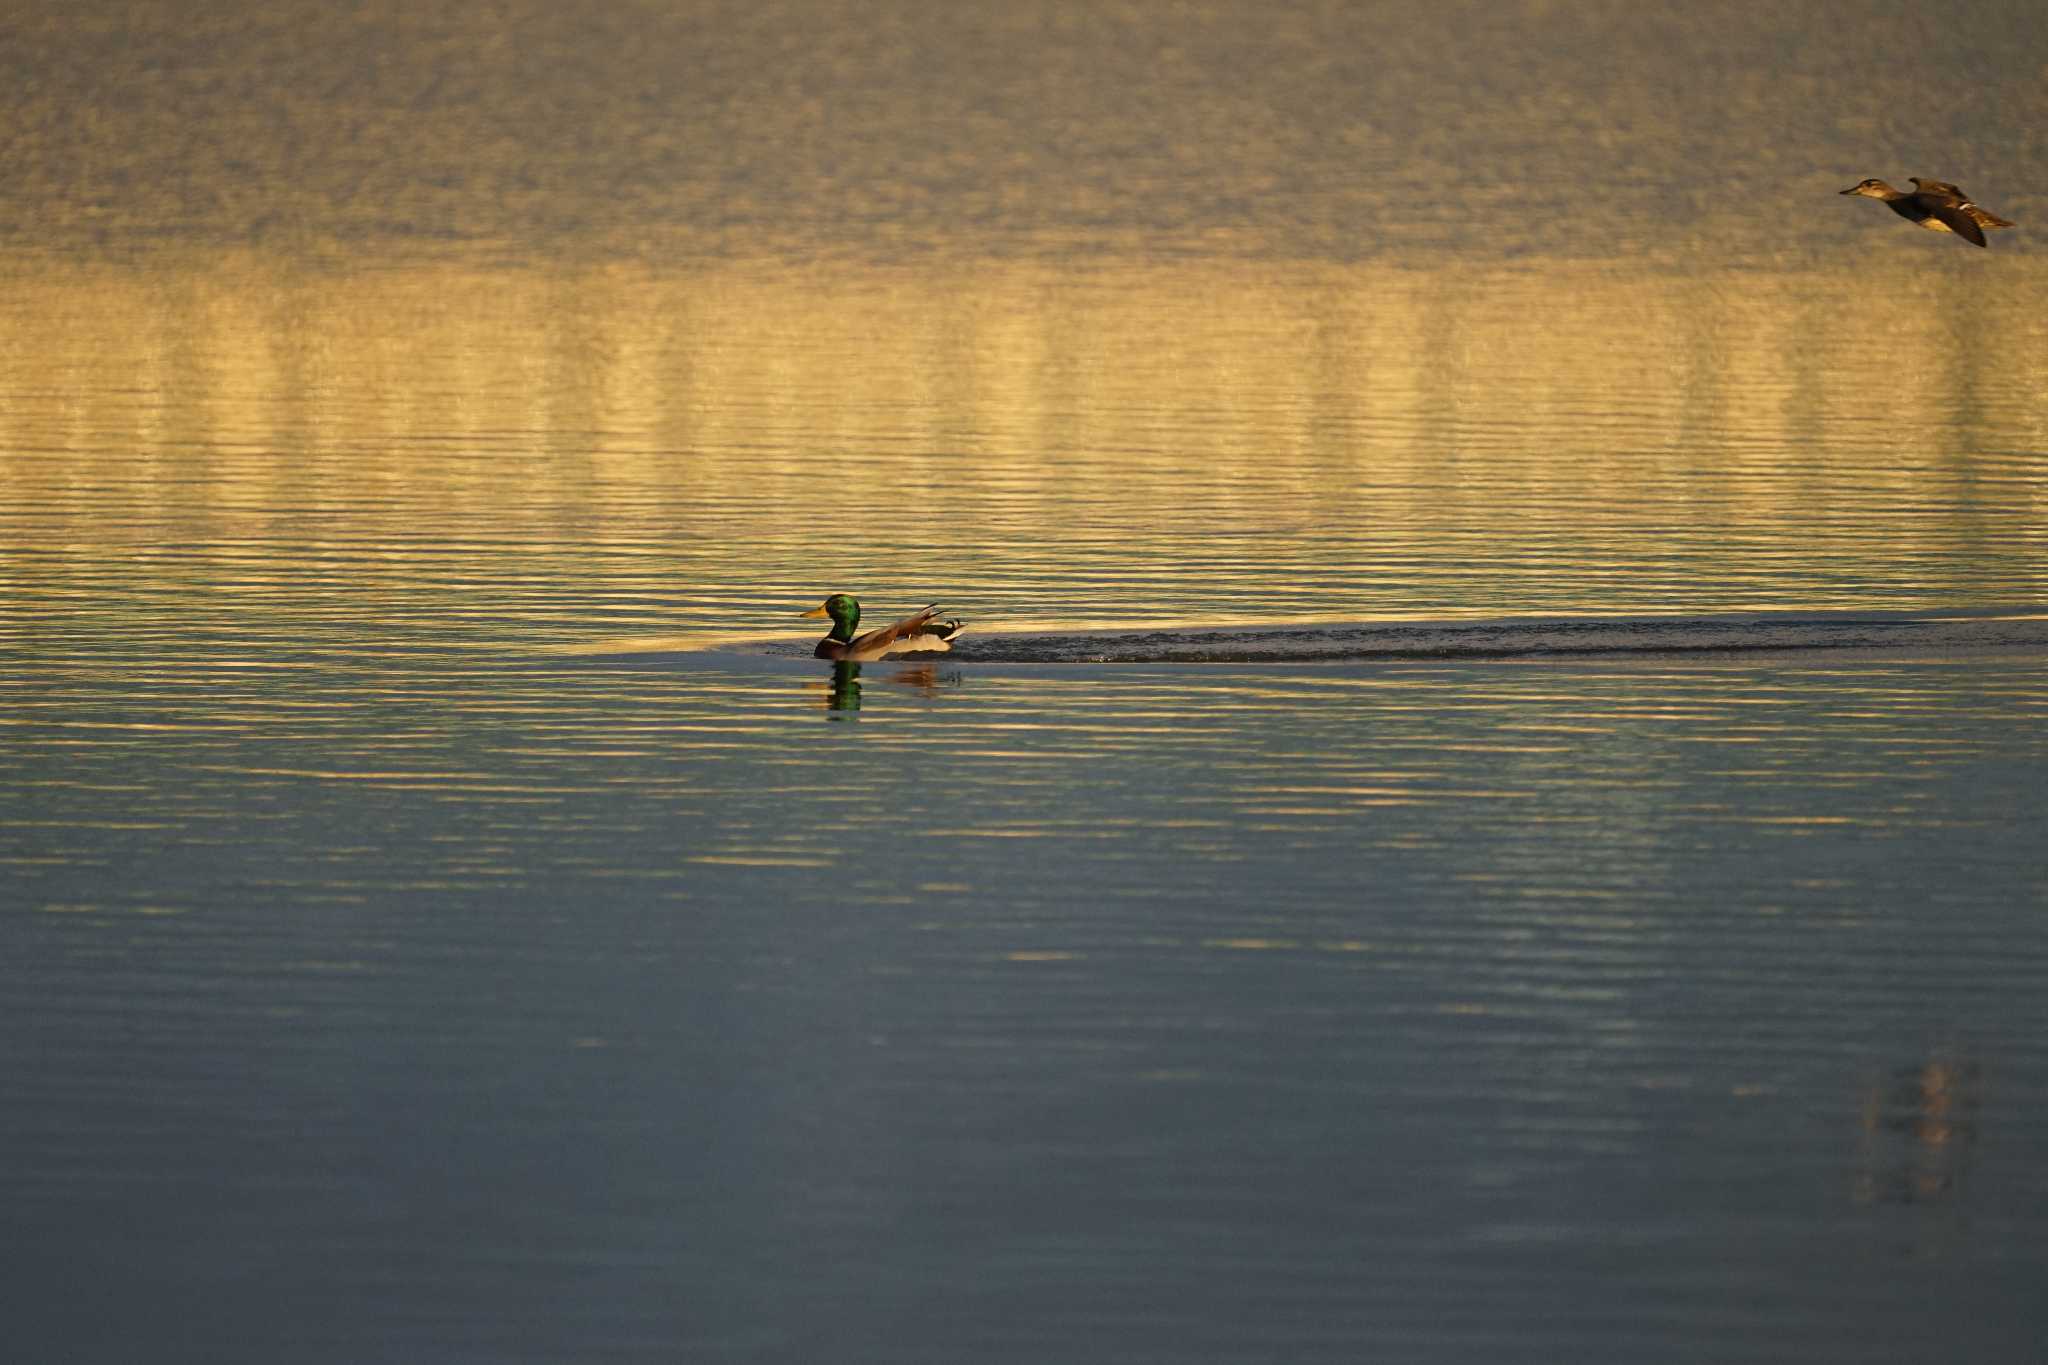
(1489, 806)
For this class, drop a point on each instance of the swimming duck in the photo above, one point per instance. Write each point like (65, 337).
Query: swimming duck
(921, 632)
(1935, 205)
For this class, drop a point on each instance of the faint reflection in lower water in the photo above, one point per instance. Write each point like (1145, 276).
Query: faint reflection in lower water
(1919, 1126)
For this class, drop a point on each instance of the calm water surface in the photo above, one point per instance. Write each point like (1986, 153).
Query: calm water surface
(441, 920)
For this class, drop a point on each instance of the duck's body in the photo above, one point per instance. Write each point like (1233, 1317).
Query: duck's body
(1935, 205)
(921, 632)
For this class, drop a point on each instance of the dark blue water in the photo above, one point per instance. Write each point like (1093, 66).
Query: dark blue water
(1451, 1009)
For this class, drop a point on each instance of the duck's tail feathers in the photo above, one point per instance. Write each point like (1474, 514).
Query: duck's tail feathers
(934, 635)
(941, 627)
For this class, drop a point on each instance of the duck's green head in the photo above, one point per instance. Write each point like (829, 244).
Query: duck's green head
(844, 611)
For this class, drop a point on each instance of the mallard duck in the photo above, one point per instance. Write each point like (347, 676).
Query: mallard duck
(1935, 205)
(921, 632)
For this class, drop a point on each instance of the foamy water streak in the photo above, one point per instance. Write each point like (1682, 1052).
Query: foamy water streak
(1945, 634)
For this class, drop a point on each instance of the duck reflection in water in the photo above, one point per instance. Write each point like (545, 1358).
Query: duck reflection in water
(842, 693)
(1918, 1131)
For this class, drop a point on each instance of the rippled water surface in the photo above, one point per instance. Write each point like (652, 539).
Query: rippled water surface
(1490, 806)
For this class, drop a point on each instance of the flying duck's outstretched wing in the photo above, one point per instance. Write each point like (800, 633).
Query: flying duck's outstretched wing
(1956, 218)
(1942, 189)
(1944, 204)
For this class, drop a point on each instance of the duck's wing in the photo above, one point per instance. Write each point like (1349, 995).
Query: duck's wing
(1956, 218)
(920, 631)
(1941, 189)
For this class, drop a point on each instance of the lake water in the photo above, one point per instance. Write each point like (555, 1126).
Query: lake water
(1491, 806)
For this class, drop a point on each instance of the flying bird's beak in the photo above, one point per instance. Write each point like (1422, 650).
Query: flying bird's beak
(1851, 190)
(818, 610)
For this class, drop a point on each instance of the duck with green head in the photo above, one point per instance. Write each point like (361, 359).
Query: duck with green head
(921, 632)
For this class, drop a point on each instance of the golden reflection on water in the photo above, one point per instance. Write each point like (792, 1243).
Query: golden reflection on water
(1015, 354)
(1281, 442)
